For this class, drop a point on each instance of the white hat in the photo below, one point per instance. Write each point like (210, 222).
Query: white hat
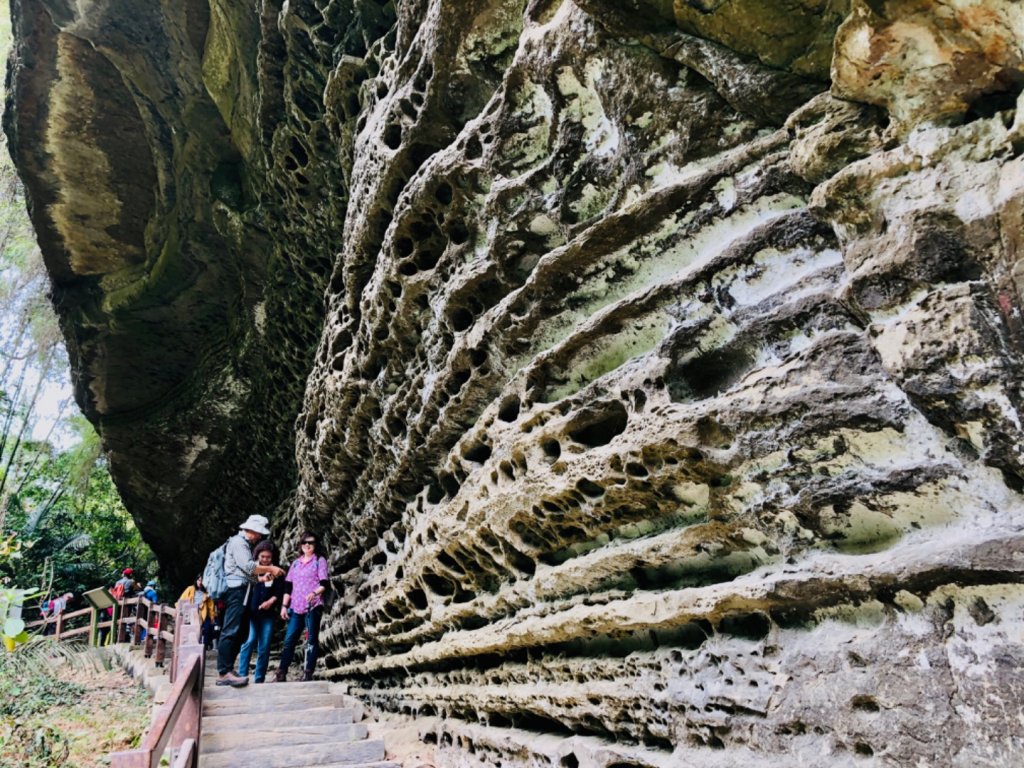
(257, 523)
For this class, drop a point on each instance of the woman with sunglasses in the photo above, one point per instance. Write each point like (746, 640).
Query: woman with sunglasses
(302, 606)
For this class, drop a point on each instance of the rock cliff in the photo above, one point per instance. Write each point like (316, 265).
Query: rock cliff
(653, 368)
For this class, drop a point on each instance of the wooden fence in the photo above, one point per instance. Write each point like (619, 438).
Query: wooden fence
(151, 625)
(176, 724)
(84, 624)
(137, 620)
(157, 628)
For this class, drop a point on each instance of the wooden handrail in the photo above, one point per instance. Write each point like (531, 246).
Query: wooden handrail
(188, 755)
(158, 622)
(177, 722)
(59, 620)
(71, 615)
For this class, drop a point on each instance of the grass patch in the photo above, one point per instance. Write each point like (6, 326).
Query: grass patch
(68, 710)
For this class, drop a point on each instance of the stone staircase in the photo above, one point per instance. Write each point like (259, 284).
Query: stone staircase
(284, 725)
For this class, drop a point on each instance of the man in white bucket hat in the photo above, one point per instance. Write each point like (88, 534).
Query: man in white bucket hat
(241, 570)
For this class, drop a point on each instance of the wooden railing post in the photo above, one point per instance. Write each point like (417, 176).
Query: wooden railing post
(160, 646)
(137, 625)
(188, 755)
(147, 648)
(129, 629)
(188, 645)
(177, 724)
(94, 620)
(120, 628)
(189, 722)
(180, 626)
(60, 625)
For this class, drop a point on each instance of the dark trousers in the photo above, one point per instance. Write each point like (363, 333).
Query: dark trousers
(207, 633)
(296, 621)
(234, 629)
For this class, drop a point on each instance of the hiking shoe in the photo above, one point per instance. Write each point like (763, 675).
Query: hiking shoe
(307, 675)
(233, 680)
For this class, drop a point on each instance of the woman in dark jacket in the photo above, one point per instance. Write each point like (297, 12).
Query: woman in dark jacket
(264, 603)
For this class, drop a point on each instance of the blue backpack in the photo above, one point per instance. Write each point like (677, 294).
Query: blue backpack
(215, 579)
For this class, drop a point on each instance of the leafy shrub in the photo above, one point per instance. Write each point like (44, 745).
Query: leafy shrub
(37, 692)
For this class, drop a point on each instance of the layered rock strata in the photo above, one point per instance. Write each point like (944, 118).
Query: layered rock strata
(666, 408)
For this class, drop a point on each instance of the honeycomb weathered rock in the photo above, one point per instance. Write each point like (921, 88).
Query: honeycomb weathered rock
(664, 403)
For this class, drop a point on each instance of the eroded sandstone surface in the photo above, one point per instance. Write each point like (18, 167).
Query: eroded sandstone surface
(654, 369)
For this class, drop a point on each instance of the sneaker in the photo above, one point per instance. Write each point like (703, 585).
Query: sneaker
(233, 680)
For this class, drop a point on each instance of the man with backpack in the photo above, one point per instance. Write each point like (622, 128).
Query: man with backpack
(125, 587)
(240, 571)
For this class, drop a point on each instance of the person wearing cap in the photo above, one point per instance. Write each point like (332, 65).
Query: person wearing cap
(241, 570)
(150, 591)
(126, 586)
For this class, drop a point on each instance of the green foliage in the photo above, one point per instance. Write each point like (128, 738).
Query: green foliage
(33, 685)
(64, 705)
(34, 693)
(37, 744)
(40, 655)
(74, 527)
(27, 690)
(12, 626)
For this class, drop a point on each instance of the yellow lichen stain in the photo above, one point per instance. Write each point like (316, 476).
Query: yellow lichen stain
(224, 75)
(870, 613)
(87, 207)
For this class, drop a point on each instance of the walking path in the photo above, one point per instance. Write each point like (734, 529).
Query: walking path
(283, 725)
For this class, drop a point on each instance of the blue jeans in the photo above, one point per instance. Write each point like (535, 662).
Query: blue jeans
(310, 620)
(261, 627)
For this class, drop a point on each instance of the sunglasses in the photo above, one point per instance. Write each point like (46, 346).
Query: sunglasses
(308, 542)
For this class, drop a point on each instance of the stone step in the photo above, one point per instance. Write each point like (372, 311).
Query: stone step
(257, 704)
(283, 718)
(382, 764)
(246, 738)
(214, 692)
(283, 755)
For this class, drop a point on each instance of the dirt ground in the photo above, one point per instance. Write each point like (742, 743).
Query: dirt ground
(109, 713)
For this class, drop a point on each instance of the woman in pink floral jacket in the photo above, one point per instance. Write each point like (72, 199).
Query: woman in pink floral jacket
(304, 587)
